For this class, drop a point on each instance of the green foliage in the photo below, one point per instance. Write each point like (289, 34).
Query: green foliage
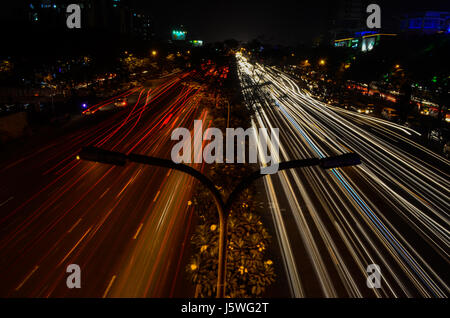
(132, 63)
(249, 269)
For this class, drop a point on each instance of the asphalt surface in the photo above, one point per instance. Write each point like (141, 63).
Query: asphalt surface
(126, 227)
(330, 225)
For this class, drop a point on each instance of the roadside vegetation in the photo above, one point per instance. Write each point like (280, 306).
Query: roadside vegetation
(250, 269)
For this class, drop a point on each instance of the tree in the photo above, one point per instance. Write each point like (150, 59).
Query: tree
(249, 270)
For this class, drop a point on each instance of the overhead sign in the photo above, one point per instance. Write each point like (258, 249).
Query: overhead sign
(178, 35)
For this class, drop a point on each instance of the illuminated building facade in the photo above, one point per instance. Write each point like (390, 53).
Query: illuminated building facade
(427, 22)
(364, 41)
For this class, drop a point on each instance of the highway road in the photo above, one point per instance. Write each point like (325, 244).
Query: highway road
(393, 210)
(126, 227)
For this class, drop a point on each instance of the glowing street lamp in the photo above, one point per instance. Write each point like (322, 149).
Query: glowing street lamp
(154, 53)
(322, 62)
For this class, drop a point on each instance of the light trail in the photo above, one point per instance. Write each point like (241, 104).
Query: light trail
(392, 210)
(97, 216)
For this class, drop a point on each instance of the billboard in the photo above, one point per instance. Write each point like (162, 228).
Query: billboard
(178, 35)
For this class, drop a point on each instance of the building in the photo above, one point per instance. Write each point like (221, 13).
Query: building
(349, 29)
(347, 17)
(142, 26)
(52, 13)
(364, 41)
(47, 13)
(115, 16)
(112, 15)
(426, 22)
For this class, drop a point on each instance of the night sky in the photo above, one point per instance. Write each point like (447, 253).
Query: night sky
(286, 22)
(278, 21)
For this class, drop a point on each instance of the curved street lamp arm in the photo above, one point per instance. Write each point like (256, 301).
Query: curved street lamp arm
(349, 159)
(244, 184)
(120, 159)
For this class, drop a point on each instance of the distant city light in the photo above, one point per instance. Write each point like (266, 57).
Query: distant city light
(196, 43)
(179, 35)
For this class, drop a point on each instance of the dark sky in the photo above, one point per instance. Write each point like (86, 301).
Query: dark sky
(287, 22)
(280, 21)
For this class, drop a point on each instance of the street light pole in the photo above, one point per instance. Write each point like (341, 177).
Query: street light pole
(223, 208)
(222, 262)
